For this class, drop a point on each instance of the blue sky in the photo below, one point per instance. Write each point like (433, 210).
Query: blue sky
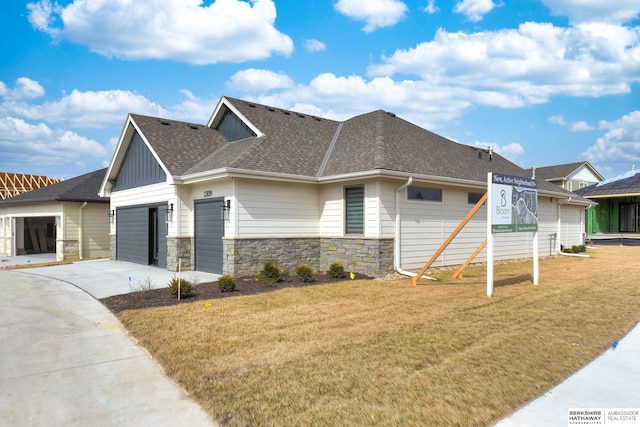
(544, 82)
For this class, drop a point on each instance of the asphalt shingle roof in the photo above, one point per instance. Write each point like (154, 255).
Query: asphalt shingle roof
(629, 185)
(83, 188)
(558, 171)
(308, 146)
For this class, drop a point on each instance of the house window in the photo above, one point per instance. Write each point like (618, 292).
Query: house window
(424, 193)
(354, 210)
(474, 198)
(583, 184)
(569, 186)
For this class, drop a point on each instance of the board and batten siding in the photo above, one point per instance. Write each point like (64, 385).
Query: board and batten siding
(277, 209)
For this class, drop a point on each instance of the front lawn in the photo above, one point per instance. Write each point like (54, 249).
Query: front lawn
(386, 353)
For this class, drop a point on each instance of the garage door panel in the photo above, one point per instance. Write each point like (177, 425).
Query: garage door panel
(209, 231)
(132, 239)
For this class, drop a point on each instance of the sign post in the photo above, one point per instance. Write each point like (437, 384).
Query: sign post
(512, 203)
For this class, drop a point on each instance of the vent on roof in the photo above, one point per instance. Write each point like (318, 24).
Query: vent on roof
(164, 122)
(251, 105)
(301, 115)
(194, 127)
(391, 114)
(271, 109)
(288, 113)
(317, 118)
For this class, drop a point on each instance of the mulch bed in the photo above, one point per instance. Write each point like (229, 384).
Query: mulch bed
(206, 291)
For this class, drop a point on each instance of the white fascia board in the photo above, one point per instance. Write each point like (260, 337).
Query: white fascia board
(216, 116)
(244, 173)
(611, 196)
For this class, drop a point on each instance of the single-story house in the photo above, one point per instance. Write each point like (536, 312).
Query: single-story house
(570, 176)
(618, 208)
(68, 218)
(374, 193)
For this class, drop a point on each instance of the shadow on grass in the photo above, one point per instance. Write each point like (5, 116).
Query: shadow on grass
(516, 280)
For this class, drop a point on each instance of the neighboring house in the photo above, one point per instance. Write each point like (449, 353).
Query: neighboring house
(618, 208)
(68, 218)
(570, 176)
(374, 193)
(12, 184)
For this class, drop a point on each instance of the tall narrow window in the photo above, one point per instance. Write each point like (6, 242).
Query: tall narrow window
(354, 210)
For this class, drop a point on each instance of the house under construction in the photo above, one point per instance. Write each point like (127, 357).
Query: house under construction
(12, 184)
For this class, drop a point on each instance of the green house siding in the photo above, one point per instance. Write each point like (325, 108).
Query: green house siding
(605, 217)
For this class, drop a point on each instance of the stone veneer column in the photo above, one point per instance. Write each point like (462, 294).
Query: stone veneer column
(373, 257)
(180, 248)
(66, 250)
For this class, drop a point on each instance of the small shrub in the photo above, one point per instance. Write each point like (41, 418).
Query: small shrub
(304, 273)
(270, 274)
(337, 270)
(226, 283)
(185, 287)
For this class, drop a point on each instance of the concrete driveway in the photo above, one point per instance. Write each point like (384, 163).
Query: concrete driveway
(103, 277)
(65, 359)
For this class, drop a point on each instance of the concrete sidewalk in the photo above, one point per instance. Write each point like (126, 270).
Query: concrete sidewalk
(611, 381)
(103, 277)
(66, 361)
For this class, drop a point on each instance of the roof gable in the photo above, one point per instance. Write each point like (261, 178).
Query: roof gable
(139, 167)
(566, 171)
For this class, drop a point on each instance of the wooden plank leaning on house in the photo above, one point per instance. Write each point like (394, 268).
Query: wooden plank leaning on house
(476, 208)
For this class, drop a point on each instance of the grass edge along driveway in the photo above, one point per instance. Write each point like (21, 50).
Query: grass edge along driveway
(386, 353)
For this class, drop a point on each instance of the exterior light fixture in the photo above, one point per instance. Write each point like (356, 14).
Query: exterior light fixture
(169, 213)
(112, 216)
(224, 210)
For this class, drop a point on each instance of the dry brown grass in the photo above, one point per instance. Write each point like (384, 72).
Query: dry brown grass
(387, 353)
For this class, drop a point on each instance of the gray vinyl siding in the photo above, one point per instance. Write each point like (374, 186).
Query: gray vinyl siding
(209, 231)
(233, 128)
(139, 167)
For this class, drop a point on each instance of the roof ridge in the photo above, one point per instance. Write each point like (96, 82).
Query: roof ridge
(379, 140)
(327, 155)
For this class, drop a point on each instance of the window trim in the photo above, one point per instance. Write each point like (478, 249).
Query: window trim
(475, 193)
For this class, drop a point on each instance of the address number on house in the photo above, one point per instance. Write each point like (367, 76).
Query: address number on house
(208, 193)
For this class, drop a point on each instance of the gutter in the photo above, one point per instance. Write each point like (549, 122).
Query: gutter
(397, 239)
(80, 234)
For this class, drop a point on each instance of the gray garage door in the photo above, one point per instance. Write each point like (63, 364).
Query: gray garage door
(209, 230)
(141, 235)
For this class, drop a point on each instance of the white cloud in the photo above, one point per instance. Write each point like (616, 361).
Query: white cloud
(25, 143)
(313, 45)
(431, 7)
(474, 10)
(511, 151)
(580, 126)
(180, 30)
(376, 13)
(557, 120)
(25, 89)
(620, 145)
(251, 80)
(91, 109)
(595, 10)
(527, 65)
(193, 108)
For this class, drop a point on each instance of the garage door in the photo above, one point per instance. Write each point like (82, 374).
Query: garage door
(141, 235)
(209, 230)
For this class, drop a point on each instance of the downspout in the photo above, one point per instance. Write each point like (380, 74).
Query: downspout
(80, 237)
(397, 239)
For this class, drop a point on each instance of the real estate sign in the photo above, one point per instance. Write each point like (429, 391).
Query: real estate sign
(514, 205)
